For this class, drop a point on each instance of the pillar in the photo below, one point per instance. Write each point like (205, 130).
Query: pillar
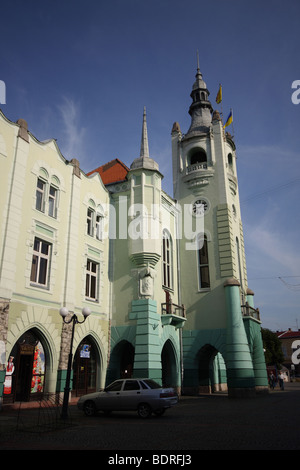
(147, 359)
(240, 375)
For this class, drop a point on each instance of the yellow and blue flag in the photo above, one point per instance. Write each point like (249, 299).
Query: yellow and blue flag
(229, 119)
(219, 95)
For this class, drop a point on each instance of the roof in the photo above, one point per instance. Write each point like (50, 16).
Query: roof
(112, 172)
(288, 334)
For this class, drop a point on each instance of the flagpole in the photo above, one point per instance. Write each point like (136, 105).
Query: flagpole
(232, 123)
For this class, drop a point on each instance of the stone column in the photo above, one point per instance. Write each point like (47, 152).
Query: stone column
(240, 375)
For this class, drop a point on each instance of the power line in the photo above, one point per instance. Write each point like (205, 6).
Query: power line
(293, 287)
(274, 188)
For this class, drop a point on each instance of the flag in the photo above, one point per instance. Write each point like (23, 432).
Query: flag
(219, 95)
(229, 119)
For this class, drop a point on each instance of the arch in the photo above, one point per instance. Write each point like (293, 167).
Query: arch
(169, 365)
(28, 367)
(86, 367)
(211, 369)
(197, 155)
(121, 361)
(43, 173)
(92, 328)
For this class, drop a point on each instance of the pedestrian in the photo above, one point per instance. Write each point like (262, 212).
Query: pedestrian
(272, 381)
(281, 383)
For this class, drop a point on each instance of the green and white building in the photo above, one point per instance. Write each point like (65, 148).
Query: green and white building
(163, 276)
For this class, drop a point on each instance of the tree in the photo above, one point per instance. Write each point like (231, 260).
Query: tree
(272, 346)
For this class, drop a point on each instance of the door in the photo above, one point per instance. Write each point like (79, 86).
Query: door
(130, 394)
(84, 369)
(24, 377)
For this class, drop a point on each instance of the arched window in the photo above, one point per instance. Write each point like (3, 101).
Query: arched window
(198, 156)
(47, 192)
(167, 260)
(203, 264)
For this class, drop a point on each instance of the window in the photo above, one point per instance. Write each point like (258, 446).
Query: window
(91, 282)
(52, 201)
(40, 262)
(95, 222)
(167, 260)
(90, 222)
(204, 281)
(40, 195)
(131, 385)
(47, 195)
(99, 227)
(114, 387)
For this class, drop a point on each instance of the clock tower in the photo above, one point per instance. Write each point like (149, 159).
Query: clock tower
(222, 338)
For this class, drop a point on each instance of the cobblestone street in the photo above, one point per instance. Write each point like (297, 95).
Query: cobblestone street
(207, 422)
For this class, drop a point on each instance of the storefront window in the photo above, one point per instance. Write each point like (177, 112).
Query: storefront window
(38, 371)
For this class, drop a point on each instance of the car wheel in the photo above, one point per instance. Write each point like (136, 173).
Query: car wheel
(144, 410)
(159, 412)
(89, 408)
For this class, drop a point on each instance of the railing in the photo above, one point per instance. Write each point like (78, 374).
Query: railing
(43, 415)
(197, 166)
(169, 308)
(249, 311)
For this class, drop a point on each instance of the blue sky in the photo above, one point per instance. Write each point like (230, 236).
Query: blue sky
(81, 72)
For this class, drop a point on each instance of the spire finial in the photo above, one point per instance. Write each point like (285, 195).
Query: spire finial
(144, 142)
(198, 74)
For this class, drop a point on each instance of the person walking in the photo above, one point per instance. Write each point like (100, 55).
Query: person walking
(272, 381)
(281, 381)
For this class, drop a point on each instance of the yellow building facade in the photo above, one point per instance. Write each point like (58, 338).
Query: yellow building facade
(53, 255)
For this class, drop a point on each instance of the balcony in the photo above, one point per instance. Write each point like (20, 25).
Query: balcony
(197, 174)
(173, 314)
(196, 167)
(248, 311)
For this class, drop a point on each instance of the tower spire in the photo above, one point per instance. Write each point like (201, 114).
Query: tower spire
(200, 109)
(144, 161)
(144, 141)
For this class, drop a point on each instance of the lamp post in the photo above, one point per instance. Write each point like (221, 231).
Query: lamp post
(74, 320)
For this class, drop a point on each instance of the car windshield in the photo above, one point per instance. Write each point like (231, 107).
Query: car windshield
(152, 383)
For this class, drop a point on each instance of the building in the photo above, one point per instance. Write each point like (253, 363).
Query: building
(164, 277)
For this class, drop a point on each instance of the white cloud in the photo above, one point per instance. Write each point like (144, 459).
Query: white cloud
(272, 250)
(74, 134)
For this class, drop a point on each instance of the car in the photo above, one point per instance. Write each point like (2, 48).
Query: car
(142, 395)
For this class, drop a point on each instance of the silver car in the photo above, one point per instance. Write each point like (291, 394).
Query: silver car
(143, 395)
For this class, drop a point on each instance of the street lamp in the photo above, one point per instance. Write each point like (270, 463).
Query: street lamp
(64, 312)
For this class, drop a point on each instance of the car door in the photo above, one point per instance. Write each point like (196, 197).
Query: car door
(109, 399)
(130, 394)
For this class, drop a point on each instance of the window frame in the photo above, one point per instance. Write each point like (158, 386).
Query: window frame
(203, 265)
(90, 277)
(167, 260)
(54, 199)
(42, 192)
(90, 222)
(40, 258)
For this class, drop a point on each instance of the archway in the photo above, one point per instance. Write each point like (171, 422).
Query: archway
(121, 361)
(211, 370)
(25, 378)
(169, 368)
(86, 367)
